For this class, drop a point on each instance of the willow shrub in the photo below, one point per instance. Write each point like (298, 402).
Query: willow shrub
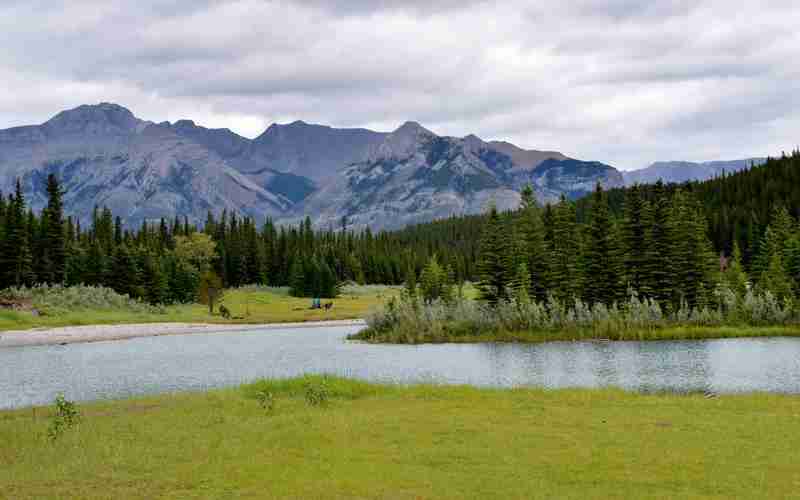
(411, 321)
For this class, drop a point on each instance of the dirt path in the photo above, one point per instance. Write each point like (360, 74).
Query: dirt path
(99, 333)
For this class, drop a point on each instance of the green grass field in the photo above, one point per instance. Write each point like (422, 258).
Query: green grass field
(255, 305)
(417, 442)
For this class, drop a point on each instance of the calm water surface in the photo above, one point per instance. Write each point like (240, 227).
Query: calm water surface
(35, 375)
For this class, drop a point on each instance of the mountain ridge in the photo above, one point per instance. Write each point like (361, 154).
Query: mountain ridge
(106, 155)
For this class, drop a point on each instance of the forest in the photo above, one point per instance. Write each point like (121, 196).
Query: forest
(666, 242)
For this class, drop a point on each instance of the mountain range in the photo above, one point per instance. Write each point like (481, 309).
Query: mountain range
(682, 171)
(142, 170)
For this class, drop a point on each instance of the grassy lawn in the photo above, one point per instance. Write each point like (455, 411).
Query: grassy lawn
(254, 305)
(416, 442)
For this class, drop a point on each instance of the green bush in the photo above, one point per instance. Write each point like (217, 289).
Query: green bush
(317, 393)
(54, 300)
(266, 400)
(413, 321)
(66, 417)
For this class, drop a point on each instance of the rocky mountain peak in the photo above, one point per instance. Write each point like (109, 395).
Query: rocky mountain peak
(95, 119)
(402, 143)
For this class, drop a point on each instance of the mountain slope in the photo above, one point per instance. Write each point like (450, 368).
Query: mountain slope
(415, 175)
(682, 171)
(105, 155)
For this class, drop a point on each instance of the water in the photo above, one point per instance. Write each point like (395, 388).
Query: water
(35, 375)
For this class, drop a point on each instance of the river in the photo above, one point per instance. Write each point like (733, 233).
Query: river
(37, 374)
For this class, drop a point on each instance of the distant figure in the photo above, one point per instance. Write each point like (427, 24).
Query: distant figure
(328, 306)
(316, 304)
(224, 312)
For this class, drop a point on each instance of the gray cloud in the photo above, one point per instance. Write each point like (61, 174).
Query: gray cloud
(620, 81)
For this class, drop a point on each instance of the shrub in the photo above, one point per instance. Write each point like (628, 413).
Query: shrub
(58, 299)
(66, 417)
(266, 400)
(411, 320)
(317, 393)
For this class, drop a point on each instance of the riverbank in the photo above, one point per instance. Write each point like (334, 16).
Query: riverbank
(376, 441)
(101, 333)
(454, 336)
(248, 306)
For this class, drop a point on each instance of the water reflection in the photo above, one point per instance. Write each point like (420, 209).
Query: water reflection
(35, 375)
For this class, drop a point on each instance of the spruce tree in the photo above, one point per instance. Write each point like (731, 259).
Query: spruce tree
(533, 236)
(604, 281)
(492, 259)
(564, 254)
(55, 236)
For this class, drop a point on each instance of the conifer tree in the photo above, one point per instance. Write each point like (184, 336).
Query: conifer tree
(604, 281)
(533, 236)
(53, 221)
(775, 280)
(564, 254)
(734, 275)
(633, 233)
(492, 259)
(522, 284)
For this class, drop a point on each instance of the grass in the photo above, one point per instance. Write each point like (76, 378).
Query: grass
(254, 304)
(678, 332)
(375, 441)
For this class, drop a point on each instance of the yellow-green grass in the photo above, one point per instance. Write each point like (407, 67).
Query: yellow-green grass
(416, 442)
(251, 305)
(451, 334)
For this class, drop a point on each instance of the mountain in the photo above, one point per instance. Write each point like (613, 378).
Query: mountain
(682, 171)
(106, 156)
(415, 175)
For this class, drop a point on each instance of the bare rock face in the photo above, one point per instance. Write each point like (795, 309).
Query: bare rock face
(105, 156)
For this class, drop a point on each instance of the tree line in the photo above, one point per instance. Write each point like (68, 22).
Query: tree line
(168, 261)
(657, 246)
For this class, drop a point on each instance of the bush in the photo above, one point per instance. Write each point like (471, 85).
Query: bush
(317, 393)
(66, 417)
(412, 320)
(54, 300)
(266, 400)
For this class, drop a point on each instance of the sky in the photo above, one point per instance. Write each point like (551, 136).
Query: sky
(624, 82)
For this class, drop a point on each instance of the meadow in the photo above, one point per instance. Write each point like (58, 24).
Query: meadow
(360, 440)
(249, 305)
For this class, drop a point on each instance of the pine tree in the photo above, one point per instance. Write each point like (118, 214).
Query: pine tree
(492, 259)
(658, 256)
(125, 275)
(297, 278)
(16, 264)
(54, 239)
(533, 236)
(734, 275)
(604, 280)
(522, 285)
(565, 252)
(775, 280)
(633, 234)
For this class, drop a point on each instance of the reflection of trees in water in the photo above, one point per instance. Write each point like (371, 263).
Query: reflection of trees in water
(675, 366)
(645, 366)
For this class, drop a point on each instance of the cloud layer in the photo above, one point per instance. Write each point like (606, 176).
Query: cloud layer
(621, 81)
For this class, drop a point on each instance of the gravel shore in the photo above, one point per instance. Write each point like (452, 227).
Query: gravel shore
(100, 333)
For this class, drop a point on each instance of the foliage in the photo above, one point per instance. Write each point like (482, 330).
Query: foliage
(66, 417)
(211, 290)
(58, 299)
(637, 318)
(317, 393)
(266, 400)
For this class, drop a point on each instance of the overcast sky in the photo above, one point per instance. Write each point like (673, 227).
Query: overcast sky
(625, 82)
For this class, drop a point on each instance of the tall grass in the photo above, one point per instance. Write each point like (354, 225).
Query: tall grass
(412, 321)
(54, 300)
